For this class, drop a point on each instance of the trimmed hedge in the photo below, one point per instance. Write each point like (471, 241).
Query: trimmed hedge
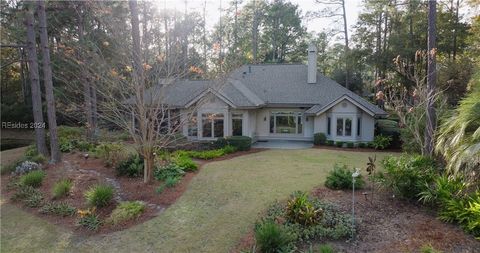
(319, 138)
(241, 143)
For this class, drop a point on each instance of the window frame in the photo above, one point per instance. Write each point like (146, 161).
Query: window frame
(297, 119)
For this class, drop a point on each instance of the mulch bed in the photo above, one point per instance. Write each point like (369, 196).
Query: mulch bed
(88, 172)
(386, 224)
(357, 149)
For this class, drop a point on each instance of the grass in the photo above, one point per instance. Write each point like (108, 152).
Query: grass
(220, 205)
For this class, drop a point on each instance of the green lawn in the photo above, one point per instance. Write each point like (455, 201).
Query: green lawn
(220, 205)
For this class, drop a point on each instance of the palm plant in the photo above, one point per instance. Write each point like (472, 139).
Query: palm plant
(459, 136)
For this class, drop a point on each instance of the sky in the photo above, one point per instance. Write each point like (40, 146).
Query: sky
(353, 8)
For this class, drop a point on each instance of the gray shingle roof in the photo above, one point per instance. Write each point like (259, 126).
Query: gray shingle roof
(267, 84)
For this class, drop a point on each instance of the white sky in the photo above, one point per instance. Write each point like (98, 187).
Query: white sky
(353, 7)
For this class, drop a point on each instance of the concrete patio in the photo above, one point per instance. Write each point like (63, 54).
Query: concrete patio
(283, 144)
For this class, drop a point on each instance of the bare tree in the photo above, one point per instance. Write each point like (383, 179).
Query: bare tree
(431, 79)
(336, 9)
(48, 82)
(39, 124)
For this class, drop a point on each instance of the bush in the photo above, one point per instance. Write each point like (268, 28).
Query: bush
(84, 145)
(90, 221)
(319, 138)
(65, 145)
(132, 167)
(408, 175)
(350, 144)
(390, 128)
(170, 170)
(99, 195)
(30, 196)
(301, 210)
(111, 153)
(465, 211)
(33, 178)
(207, 154)
(220, 143)
(362, 145)
(339, 144)
(241, 143)
(381, 142)
(25, 167)
(272, 238)
(229, 149)
(185, 162)
(126, 211)
(172, 181)
(325, 248)
(62, 209)
(61, 188)
(70, 132)
(330, 143)
(341, 178)
(31, 151)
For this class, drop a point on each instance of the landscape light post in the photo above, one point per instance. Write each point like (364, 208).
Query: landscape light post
(354, 176)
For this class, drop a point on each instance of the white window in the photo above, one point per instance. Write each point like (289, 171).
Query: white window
(286, 123)
(344, 127)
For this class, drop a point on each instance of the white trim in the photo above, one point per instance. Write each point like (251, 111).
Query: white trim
(209, 90)
(340, 99)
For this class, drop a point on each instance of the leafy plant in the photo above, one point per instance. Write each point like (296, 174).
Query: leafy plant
(170, 170)
(62, 209)
(160, 188)
(111, 153)
(325, 248)
(185, 162)
(272, 238)
(429, 249)
(84, 145)
(330, 143)
(350, 144)
(341, 178)
(362, 145)
(99, 195)
(25, 167)
(339, 143)
(407, 175)
(319, 138)
(229, 149)
(65, 145)
(61, 188)
(241, 143)
(381, 141)
(90, 221)
(301, 210)
(443, 189)
(171, 181)
(126, 211)
(33, 178)
(132, 167)
(465, 211)
(30, 196)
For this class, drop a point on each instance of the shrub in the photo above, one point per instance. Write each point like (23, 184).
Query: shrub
(220, 142)
(207, 154)
(170, 170)
(26, 167)
(443, 189)
(65, 145)
(330, 143)
(132, 167)
(70, 132)
(350, 144)
(33, 178)
(301, 210)
(30, 196)
(61, 188)
(90, 221)
(99, 195)
(126, 211)
(185, 162)
(272, 238)
(111, 153)
(160, 188)
(362, 145)
(84, 145)
(465, 211)
(38, 159)
(390, 128)
(171, 181)
(31, 151)
(341, 178)
(381, 142)
(319, 138)
(339, 144)
(62, 209)
(241, 143)
(229, 149)
(408, 175)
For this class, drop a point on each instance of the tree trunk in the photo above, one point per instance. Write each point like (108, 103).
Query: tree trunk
(455, 31)
(87, 93)
(347, 49)
(205, 37)
(39, 124)
(48, 82)
(255, 32)
(431, 79)
(138, 81)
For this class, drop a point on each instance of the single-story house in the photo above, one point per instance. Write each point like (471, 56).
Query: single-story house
(273, 101)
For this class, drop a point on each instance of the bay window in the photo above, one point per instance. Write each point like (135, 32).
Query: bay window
(344, 127)
(212, 125)
(286, 123)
